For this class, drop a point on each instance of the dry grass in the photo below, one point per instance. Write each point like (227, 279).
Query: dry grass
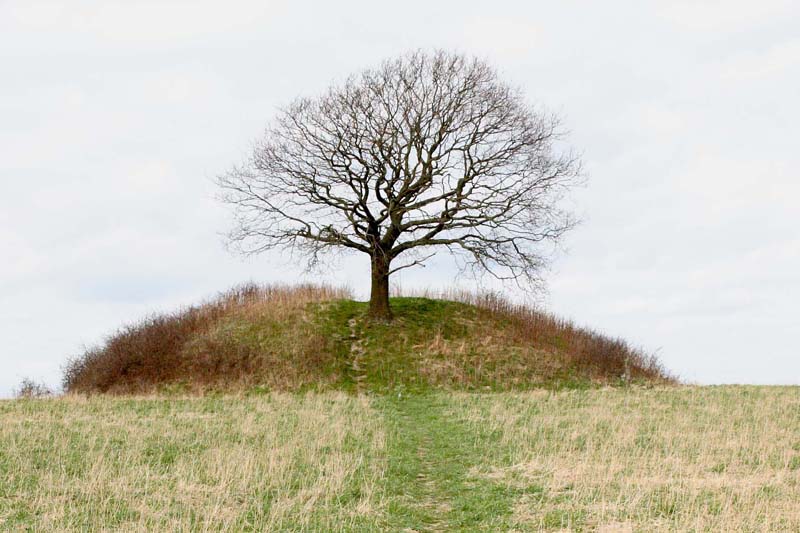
(148, 464)
(684, 459)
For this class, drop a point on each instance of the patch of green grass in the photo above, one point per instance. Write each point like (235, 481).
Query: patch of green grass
(428, 334)
(391, 351)
(431, 455)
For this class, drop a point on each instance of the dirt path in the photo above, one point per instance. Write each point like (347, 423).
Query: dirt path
(357, 351)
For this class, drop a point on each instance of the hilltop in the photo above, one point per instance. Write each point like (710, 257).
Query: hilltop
(281, 338)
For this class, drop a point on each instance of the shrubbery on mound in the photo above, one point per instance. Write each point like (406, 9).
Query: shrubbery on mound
(290, 338)
(250, 334)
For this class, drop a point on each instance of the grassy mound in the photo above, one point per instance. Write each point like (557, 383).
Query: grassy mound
(292, 338)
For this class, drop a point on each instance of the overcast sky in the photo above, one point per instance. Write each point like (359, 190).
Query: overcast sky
(116, 115)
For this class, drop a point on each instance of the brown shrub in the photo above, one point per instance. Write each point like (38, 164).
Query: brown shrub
(29, 389)
(191, 345)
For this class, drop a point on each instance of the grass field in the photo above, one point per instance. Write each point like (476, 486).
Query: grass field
(625, 459)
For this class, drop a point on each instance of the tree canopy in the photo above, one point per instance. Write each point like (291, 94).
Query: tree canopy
(425, 153)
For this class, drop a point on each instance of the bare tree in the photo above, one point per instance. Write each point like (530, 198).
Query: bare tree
(427, 152)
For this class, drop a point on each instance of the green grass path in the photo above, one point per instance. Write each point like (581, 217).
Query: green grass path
(430, 455)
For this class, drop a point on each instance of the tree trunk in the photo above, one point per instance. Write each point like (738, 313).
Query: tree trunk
(379, 296)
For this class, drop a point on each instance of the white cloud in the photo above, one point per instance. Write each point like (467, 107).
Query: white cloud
(775, 62)
(152, 23)
(721, 17)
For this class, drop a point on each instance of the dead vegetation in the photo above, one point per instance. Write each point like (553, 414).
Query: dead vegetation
(29, 389)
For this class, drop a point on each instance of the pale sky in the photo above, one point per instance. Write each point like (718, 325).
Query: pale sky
(116, 115)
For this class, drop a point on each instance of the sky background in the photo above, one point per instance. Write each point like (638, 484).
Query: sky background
(115, 116)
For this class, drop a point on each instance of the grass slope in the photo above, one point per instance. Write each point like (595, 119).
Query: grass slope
(610, 459)
(277, 338)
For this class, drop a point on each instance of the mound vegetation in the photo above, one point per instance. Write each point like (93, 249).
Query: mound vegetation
(280, 338)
